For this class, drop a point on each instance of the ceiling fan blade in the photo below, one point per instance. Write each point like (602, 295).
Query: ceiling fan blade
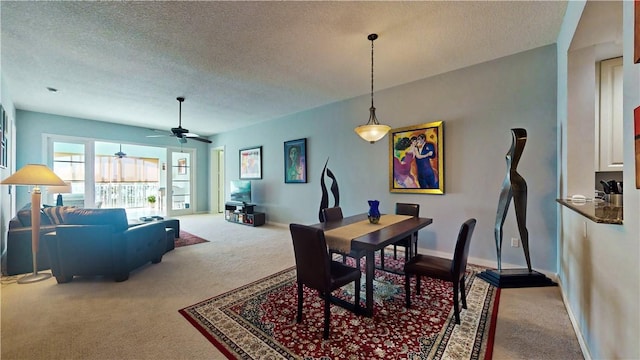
(201, 139)
(165, 135)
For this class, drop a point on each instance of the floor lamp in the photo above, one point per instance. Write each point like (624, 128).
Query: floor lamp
(34, 175)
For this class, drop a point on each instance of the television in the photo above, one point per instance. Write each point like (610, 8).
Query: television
(241, 191)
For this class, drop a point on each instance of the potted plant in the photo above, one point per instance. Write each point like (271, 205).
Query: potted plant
(151, 199)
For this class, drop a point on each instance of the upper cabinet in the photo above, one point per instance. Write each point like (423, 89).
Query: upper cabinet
(609, 150)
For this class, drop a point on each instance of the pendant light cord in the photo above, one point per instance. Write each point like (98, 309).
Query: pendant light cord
(372, 73)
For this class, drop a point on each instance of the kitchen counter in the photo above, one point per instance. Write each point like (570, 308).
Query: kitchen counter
(600, 212)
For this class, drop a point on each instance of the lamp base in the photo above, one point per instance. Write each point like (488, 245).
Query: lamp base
(35, 277)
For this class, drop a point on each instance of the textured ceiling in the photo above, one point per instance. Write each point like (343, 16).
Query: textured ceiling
(238, 63)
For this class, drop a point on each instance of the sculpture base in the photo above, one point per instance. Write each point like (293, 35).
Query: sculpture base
(515, 278)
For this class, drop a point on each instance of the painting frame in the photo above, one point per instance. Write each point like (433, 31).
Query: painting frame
(250, 162)
(406, 174)
(295, 170)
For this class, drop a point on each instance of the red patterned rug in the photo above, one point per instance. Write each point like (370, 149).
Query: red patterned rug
(257, 321)
(187, 239)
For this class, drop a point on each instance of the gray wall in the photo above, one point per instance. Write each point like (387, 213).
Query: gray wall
(30, 127)
(479, 105)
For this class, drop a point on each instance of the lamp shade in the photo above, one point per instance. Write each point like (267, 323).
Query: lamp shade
(372, 133)
(59, 189)
(34, 174)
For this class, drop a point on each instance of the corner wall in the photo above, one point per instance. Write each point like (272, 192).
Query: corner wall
(598, 263)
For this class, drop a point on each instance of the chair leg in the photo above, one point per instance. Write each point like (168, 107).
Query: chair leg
(417, 284)
(395, 252)
(407, 290)
(327, 301)
(358, 263)
(344, 259)
(463, 293)
(299, 317)
(382, 258)
(456, 306)
(357, 294)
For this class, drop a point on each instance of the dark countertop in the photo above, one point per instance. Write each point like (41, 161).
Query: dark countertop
(600, 212)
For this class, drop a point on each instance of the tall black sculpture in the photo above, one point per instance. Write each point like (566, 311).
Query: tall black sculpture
(514, 187)
(324, 201)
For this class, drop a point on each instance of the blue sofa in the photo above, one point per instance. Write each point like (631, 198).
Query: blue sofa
(92, 242)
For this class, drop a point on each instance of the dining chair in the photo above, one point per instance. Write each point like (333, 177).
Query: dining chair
(317, 271)
(410, 243)
(334, 214)
(451, 270)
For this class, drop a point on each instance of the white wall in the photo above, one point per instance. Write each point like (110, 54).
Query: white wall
(479, 105)
(598, 272)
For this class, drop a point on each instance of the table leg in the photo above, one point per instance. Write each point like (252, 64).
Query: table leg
(369, 274)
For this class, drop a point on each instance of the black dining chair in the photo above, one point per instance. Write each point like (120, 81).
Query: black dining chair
(334, 214)
(451, 270)
(410, 243)
(317, 271)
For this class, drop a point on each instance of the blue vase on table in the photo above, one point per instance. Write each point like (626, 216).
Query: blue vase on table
(374, 212)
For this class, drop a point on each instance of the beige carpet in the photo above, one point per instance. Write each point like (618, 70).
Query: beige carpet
(98, 318)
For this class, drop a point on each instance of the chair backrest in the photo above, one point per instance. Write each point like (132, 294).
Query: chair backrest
(312, 258)
(407, 209)
(459, 264)
(332, 213)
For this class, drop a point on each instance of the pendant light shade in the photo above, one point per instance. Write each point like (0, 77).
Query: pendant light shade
(372, 131)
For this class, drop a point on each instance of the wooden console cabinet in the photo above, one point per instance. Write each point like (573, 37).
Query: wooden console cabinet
(242, 213)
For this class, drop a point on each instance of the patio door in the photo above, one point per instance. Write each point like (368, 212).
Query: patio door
(180, 198)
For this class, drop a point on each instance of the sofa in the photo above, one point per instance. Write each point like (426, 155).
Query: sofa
(18, 258)
(91, 242)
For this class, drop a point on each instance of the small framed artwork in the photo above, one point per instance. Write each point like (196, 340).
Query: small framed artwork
(182, 166)
(295, 161)
(251, 163)
(416, 159)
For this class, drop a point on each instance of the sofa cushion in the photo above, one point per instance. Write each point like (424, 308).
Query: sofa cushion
(114, 217)
(24, 216)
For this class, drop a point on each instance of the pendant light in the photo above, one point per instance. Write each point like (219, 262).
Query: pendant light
(372, 131)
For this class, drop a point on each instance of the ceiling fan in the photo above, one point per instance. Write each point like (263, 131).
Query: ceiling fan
(120, 154)
(181, 133)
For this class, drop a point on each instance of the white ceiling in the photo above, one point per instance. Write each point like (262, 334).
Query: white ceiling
(241, 62)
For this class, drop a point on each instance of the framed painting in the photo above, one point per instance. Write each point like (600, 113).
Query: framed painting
(295, 161)
(4, 144)
(416, 159)
(251, 163)
(182, 166)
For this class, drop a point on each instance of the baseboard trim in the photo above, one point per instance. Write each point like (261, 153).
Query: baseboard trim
(574, 323)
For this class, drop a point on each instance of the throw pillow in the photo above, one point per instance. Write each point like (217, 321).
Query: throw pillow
(55, 213)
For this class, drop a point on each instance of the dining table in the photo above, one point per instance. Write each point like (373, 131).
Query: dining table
(370, 238)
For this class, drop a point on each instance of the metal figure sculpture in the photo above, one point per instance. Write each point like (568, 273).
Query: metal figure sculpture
(324, 201)
(514, 187)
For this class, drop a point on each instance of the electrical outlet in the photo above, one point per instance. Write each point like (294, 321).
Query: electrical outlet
(514, 242)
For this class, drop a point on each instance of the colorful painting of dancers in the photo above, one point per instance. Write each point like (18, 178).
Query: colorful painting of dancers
(416, 164)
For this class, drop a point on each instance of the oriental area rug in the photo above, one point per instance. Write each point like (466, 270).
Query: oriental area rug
(187, 239)
(257, 321)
